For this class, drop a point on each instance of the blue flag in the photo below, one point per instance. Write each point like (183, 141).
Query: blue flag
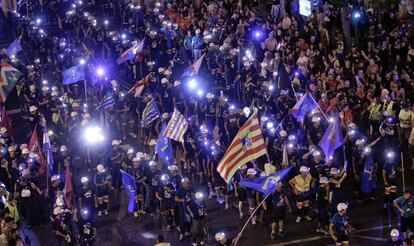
(266, 184)
(332, 139)
(150, 113)
(13, 48)
(131, 189)
(106, 101)
(303, 106)
(73, 74)
(163, 148)
(368, 179)
(47, 150)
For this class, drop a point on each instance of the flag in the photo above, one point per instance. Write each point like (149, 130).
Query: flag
(176, 127)
(193, 69)
(139, 86)
(285, 159)
(131, 188)
(150, 113)
(303, 106)
(106, 101)
(73, 74)
(47, 150)
(331, 139)
(34, 146)
(8, 79)
(247, 145)
(368, 180)
(68, 187)
(266, 184)
(5, 121)
(13, 48)
(163, 147)
(130, 53)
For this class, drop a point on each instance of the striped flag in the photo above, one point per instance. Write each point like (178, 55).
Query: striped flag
(150, 113)
(246, 146)
(130, 53)
(193, 69)
(8, 79)
(176, 127)
(34, 146)
(106, 101)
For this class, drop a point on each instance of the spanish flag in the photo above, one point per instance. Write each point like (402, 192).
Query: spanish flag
(246, 146)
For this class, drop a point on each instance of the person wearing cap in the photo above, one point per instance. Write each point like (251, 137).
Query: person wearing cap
(394, 239)
(117, 156)
(339, 227)
(166, 96)
(59, 228)
(138, 172)
(56, 186)
(152, 180)
(389, 131)
(27, 196)
(336, 179)
(183, 198)
(102, 184)
(279, 202)
(5, 138)
(322, 199)
(405, 206)
(174, 177)
(197, 44)
(389, 176)
(34, 117)
(165, 194)
(87, 196)
(301, 185)
(86, 228)
(178, 98)
(210, 109)
(315, 131)
(11, 209)
(197, 210)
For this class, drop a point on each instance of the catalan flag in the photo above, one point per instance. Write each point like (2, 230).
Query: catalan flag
(247, 145)
(176, 127)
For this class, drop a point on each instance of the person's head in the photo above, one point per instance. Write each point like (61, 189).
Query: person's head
(185, 183)
(220, 237)
(304, 171)
(251, 173)
(160, 239)
(279, 186)
(153, 166)
(199, 196)
(407, 193)
(324, 182)
(173, 169)
(84, 182)
(395, 234)
(342, 207)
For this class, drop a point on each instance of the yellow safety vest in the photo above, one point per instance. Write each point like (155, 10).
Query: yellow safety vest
(303, 184)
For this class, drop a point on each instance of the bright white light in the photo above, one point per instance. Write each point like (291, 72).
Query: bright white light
(390, 154)
(93, 135)
(269, 125)
(200, 93)
(100, 71)
(331, 120)
(367, 150)
(106, 22)
(82, 61)
(123, 36)
(271, 87)
(38, 21)
(274, 74)
(246, 111)
(232, 107)
(44, 82)
(192, 84)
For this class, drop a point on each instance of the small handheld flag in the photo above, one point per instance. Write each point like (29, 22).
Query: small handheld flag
(130, 53)
(266, 184)
(14, 48)
(163, 147)
(176, 127)
(192, 70)
(332, 139)
(150, 113)
(305, 104)
(73, 74)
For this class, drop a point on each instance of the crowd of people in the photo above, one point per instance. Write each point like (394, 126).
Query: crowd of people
(356, 61)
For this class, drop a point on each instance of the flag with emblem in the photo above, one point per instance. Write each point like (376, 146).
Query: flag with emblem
(130, 53)
(266, 184)
(150, 113)
(14, 48)
(332, 138)
(247, 145)
(176, 127)
(8, 79)
(73, 74)
(192, 70)
(34, 146)
(163, 147)
(131, 189)
(305, 104)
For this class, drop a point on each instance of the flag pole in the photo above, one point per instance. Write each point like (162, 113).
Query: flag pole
(317, 105)
(402, 170)
(251, 216)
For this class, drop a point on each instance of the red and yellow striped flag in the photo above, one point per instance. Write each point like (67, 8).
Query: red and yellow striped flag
(247, 145)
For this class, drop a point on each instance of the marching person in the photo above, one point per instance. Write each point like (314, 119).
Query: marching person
(86, 228)
(322, 202)
(102, 185)
(338, 227)
(165, 194)
(405, 206)
(389, 175)
(198, 211)
(301, 185)
(278, 213)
